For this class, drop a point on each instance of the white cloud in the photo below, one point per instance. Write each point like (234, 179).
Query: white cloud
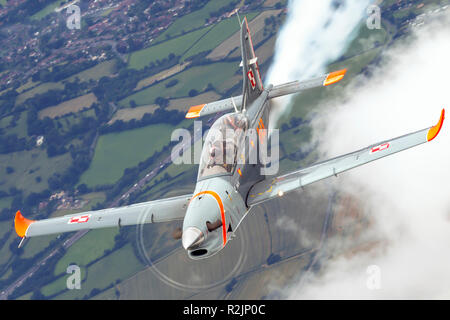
(315, 33)
(407, 194)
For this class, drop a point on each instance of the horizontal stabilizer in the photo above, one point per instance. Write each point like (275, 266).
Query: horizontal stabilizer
(297, 86)
(214, 107)
(276, 91)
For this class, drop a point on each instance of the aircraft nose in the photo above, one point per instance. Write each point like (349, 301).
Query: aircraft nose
(192, 237)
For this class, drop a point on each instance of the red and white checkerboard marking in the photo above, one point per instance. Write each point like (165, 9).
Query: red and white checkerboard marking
(381, 147)
(79, 219)
(251, 77)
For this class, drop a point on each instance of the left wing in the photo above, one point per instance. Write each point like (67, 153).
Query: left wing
(271, 188)
(146, 212)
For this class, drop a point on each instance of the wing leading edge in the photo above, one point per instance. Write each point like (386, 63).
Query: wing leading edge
(146, 212)
(271, 188)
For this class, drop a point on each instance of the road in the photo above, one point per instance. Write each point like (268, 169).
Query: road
(69, 242)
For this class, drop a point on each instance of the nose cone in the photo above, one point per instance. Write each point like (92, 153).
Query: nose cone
(192, 237)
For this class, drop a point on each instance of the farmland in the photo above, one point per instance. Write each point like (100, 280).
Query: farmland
(28, 166)
(114, 152)
(137, 113)
(51, 7)
(215, 36)
(69, 106)
(192, 21)
(196, 78)
(177, 46)
(256, 25)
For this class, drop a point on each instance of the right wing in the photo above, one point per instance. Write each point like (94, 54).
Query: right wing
(271, 188)
(146, 212)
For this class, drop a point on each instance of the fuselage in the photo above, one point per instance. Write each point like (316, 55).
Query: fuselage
(226, 173)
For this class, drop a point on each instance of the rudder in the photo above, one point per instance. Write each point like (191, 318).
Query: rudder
(252, 83)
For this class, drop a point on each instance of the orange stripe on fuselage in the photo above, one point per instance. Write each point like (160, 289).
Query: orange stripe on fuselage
(261, 134)
(222, 211)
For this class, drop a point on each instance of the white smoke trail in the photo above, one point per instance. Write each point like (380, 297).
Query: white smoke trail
(408, 194)
(315, 33)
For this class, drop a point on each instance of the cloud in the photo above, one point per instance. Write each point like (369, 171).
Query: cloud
(407, 194)
(315, 33)
(289, 225)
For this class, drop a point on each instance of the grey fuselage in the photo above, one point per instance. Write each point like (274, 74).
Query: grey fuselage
(220, 199)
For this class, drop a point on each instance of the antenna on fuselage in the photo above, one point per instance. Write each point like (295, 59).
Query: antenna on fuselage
(234, 105)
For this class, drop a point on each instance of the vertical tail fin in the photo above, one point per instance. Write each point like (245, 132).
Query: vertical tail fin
(253, 85)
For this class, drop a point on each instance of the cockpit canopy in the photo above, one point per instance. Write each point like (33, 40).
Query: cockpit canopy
(220, 150)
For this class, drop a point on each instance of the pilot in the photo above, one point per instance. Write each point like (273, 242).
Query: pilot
(236, 122)
(215, 156)
(230, 154)
(231, 123)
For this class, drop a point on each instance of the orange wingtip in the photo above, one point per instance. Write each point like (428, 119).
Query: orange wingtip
(334, 77)
(434, 131)
(21, 224)
(194, 112)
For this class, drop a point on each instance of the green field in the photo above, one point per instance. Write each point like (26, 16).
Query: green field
(119, 265)
(5, 226)
(68, 120)
(27, 85)
(36, 245)
(7, 274)
(5, 202)
(178, 46)
(117, 151)
(60, 284)
(84, 251)
(192, 20)
(4, 122)
(192, 78)
(20, 128)
(103, 69)
(5, 253)
(42, 88)
(367, 39)
(47, 10)
(28, 165)
(219, 33)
